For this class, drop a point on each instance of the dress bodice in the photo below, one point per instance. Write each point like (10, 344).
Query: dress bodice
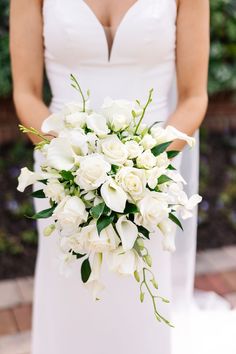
(142, 54)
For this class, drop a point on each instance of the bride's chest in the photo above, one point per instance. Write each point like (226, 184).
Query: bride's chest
(73, 34)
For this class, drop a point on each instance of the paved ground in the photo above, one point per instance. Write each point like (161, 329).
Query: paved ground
(215, 270)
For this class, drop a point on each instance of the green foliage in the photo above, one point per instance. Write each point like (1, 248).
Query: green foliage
(222, 71)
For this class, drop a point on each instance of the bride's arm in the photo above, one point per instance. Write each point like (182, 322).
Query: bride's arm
(192, 53)
(26, 46)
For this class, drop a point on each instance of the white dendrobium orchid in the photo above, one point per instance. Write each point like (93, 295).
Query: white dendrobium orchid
(146, 160)
(124, 262)
(170, 133)
(92, 172)
(168, 229)
(128, 232)
(133, 181)
(94, 283)
(54, 190)
(70, 213)
(97, 123)
(114, 196)
(26, 178)
(53, 124)
(60, 154)
(153, 210)
(114, 150)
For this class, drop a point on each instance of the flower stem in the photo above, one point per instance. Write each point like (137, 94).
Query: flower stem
(149, 100)
(76, 85)
(33, 131)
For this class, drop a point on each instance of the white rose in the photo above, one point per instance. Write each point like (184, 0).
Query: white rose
(76, 119)
(124, 262)
(153, 209)
(69, 214)
(118, 113)
(97, 123)
(148, 142)
(114, 150)
(146, 160)
(26, 178)
(106, 241)
(134, 149)
(54, 190)
(92, 172)
(133, 181)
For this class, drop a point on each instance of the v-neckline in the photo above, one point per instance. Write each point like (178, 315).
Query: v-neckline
(118, 28)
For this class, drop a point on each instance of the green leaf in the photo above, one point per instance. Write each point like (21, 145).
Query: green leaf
(38, 194)
(159, 149)
(103, 222)
(43, 214)
(163, 179)
(143, 231)
(170, 167)
(67, 175)
(172, 153)
(97, 210)
(44, 181)
(85, 270)
(78, 255)
(175, 220)
(131, 208)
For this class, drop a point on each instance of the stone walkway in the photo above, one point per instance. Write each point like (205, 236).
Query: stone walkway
(215, 270)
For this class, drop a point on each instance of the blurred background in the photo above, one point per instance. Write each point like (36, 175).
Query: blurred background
(217, 212)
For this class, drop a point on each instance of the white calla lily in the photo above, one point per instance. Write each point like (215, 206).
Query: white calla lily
(78, 140)
(114, 196)
(168, 230)
(128, 232)
(60, 154)
(53, 124)
(26, 178)
(98, 124)
(170, 133)
(94, 284)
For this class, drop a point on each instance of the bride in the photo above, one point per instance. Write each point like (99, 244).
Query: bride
(119, 49)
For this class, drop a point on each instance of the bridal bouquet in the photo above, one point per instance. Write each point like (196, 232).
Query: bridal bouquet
(111, 186)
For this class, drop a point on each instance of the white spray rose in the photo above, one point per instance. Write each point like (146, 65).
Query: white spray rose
(54, 190)
(26, 178)
(133, 181)
(114, 150)
(92, 172)
(133, 148)
(146, 160)
(70, 213)
(148, 142)
(153, 209)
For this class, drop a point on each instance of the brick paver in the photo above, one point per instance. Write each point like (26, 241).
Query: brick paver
(10, 294)
(23, 317)
(7, 322)
(25, 286)
(15, 344)
(230, 278)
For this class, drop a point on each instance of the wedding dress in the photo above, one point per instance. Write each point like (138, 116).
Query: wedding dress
(142, 56)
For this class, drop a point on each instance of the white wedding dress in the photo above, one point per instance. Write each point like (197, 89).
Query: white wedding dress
(65, 318)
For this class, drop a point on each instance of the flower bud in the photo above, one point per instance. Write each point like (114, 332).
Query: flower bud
(154, 283)
(148, 260)
(142, 296)
(140, 243)
(137, 277)
(49, 230)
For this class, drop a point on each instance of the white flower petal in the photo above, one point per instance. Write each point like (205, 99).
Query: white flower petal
(128, 232)
(60, 154)
(53, 124)
(26, 178)
(114, 196)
